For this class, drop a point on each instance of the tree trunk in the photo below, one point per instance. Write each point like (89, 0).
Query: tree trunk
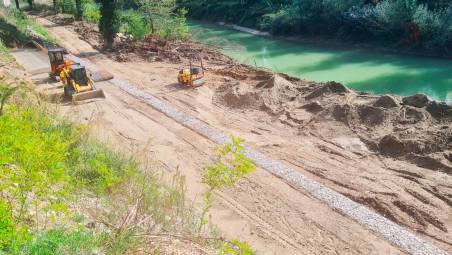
(55, 6)
(108, 24)
(17, 5)
(78, 9)
(30, 4)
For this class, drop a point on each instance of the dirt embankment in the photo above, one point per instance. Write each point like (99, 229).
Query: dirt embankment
(413, 128)
(358, 144)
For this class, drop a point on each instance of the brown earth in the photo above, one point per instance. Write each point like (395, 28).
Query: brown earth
(389, 153)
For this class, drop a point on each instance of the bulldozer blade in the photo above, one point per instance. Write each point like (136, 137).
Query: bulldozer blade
(199, 83)
(98, 93)
(101, 76)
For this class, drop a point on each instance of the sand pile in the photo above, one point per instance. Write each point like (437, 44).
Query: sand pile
(414, 128)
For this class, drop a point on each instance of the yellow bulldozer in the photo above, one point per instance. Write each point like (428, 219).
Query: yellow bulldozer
(192, 75)
(78, 85)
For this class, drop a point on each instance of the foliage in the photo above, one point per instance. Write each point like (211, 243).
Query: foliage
(419, 24)
(12, 234)
(66, 6)
(22, 26)
(61, 242)
(99, 168)
(91, 12)
(31, 160)
(163, 18)
(230, 165)
(134, 24)
(6, 92)
(236, 247)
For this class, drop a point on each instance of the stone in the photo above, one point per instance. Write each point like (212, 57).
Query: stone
(313, 107)
(418, 100)
(328, 88)
(387, 101)
(391, 145)
(439, 110)
(371, 115)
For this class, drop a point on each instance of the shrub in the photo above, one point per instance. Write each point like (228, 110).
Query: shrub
(11, 232)
(66, 6)
(134, 24)
(236, 247)
(61, 242)
(91, 12)
(99, 168)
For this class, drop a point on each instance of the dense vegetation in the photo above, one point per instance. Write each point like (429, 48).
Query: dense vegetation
(135, 18)
(62, 192)
(418, 24)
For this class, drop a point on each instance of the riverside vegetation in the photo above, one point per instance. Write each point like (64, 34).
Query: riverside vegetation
(62, 192)
(416, 24)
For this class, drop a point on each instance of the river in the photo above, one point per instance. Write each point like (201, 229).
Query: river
(360, 69)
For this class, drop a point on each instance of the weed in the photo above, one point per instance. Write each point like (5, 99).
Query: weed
(99, 168)
(62, 242)
(230, 165)
(236, 247)
(6, 93)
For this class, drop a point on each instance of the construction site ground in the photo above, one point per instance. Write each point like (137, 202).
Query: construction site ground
(263, 209)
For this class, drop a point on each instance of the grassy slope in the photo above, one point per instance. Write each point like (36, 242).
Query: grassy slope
(64, 193)
(52, 176)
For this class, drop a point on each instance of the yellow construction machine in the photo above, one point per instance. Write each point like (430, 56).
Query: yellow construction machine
(77, 85)
(192, 75)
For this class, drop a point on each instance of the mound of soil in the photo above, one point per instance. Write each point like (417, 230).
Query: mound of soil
(410, 128)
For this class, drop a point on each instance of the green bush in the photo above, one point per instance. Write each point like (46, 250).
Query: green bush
(91, 12)
(66, 6)
(10, 230)
(134, 24)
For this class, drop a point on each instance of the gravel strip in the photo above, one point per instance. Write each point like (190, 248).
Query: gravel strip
(391, 231)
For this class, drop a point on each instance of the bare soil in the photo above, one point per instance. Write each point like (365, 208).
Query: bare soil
(392, 154)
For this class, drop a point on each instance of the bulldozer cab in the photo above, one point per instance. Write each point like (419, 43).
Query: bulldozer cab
(56, 56)
(78, 73)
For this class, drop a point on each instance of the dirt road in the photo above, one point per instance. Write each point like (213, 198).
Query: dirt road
(264, 210)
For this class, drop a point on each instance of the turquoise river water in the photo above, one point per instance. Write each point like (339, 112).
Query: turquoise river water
(362, 70)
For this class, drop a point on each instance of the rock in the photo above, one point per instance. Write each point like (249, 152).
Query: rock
(91, 224)
(412, 115)
(342, 112)
(328, 88)
(371, 115)
(439, 110)
(418, 100)
(336, 87)
(386, 101)
(391, 145)
(313, 107)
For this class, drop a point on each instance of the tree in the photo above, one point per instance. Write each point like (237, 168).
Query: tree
(109, 21)
(78, 9)
(17, 5)
(30, 4)
(157, 10)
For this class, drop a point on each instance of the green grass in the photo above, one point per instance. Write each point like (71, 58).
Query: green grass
(17, 21)
(61, 242)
